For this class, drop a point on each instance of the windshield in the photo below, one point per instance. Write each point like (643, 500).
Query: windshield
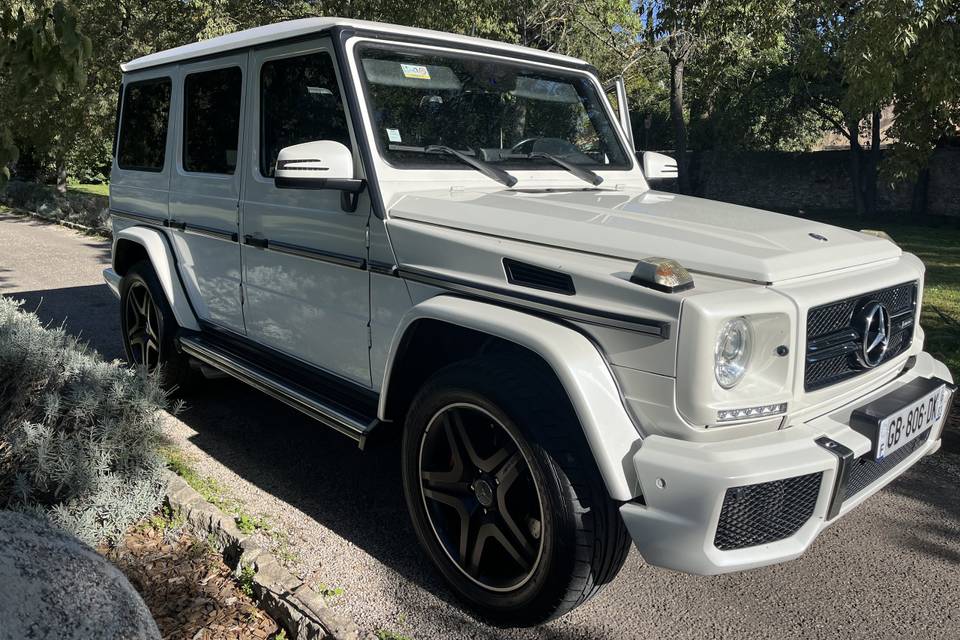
(500, 112)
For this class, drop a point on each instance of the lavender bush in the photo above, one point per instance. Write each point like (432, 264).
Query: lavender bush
(79, 437)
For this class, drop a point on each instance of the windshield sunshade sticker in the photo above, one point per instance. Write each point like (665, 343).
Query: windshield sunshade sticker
(415, 71)
(393, 135)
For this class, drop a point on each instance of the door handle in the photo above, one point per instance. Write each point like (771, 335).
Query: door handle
(260, 243)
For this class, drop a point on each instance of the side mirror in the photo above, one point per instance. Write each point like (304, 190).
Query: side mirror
(657, 166)
(321, 164)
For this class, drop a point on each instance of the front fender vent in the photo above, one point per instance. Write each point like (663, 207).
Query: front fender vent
(529, 275)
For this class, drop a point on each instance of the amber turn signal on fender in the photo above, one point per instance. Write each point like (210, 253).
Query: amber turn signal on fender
(878, 234)
(662, 274)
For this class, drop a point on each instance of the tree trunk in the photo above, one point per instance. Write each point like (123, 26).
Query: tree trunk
(918, 206)
(651, 37)
(856, 164)
(61, 174)
(679, 125)
(872, 168)
(856, 176)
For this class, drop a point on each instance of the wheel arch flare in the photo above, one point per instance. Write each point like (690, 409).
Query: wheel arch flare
(574, 359)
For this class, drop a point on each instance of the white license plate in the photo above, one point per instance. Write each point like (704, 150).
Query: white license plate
(902, 427)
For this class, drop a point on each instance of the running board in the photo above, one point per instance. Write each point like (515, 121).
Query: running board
(312, 403)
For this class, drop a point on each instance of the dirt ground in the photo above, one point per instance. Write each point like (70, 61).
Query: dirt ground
(189, 590)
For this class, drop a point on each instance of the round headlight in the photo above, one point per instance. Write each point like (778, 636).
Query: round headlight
(732, 352)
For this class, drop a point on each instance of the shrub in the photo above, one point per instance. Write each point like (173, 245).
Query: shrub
(79, 437)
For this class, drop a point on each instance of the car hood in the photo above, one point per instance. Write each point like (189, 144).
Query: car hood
(703, 235)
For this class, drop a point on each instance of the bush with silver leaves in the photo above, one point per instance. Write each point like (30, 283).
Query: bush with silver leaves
(79, 437)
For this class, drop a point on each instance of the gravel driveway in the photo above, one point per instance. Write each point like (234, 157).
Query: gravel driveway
(889, 569)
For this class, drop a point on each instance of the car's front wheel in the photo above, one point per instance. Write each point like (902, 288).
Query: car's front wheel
(504, 495)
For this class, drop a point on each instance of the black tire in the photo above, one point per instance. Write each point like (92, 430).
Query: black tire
(583, 541)
(174, 366)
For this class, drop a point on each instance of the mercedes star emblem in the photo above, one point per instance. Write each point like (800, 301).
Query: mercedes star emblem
(874, 326)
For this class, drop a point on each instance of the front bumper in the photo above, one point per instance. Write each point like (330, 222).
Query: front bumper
(684, 484)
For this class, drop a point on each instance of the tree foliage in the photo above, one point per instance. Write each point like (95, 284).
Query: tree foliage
(718, 44)
(702, 74)
(41, 53)
(907, 53)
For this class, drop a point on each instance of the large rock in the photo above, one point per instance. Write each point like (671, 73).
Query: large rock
(53, 586)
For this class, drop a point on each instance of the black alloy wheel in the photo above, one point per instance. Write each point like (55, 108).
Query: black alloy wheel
(481, 498)
(142, 325)
(150, 328)
(503, 492)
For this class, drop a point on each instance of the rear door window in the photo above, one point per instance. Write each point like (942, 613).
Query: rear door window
(143, 125)
(211, 120)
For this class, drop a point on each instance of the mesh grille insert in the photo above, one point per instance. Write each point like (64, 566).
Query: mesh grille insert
(827, 321)
(760, 513)
(865, 470)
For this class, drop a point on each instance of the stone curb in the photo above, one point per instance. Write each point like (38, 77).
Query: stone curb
(291, 602)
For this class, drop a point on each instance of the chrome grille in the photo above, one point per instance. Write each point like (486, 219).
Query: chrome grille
(833, 341)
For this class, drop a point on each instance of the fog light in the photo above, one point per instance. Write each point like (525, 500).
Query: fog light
(762, 411)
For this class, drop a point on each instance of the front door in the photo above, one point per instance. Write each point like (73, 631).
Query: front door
(305, 284)
(205, 186)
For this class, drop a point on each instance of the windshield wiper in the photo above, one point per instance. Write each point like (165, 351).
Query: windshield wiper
(485, 168)
(584, 174)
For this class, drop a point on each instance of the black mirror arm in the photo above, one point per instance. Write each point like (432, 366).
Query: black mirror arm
(349, 188)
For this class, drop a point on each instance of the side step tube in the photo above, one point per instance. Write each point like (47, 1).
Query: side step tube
(286, 393)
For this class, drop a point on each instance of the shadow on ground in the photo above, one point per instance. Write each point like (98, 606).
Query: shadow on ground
(90, 313)
(356, 494)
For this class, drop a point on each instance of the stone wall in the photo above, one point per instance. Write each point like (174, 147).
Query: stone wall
(811, 181)
(944, 194)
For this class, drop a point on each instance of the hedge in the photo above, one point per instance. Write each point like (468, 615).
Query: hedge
(86, 210)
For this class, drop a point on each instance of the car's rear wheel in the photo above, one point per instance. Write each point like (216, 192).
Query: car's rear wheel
(504, 495)
(149, 327)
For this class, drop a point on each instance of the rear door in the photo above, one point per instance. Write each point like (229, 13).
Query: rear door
(205, 186)
(304, 258)
(140, 178)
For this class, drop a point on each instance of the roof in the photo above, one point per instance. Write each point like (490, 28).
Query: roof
(306, 26)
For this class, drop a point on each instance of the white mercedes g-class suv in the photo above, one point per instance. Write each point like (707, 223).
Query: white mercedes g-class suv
(393, 229)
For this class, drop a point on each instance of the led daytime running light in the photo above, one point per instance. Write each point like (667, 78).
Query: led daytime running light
(762, 411)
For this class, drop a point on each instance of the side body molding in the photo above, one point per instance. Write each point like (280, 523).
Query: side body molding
(161, 257)
(580, 367)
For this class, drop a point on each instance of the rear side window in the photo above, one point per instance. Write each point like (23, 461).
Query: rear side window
(299, 102)
(211, 120)
(143, 125)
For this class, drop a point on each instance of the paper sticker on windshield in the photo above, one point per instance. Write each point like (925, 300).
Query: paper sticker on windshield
(393, 135)
(415, 71)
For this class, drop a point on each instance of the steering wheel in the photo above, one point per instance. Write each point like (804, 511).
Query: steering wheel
(555, 146)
